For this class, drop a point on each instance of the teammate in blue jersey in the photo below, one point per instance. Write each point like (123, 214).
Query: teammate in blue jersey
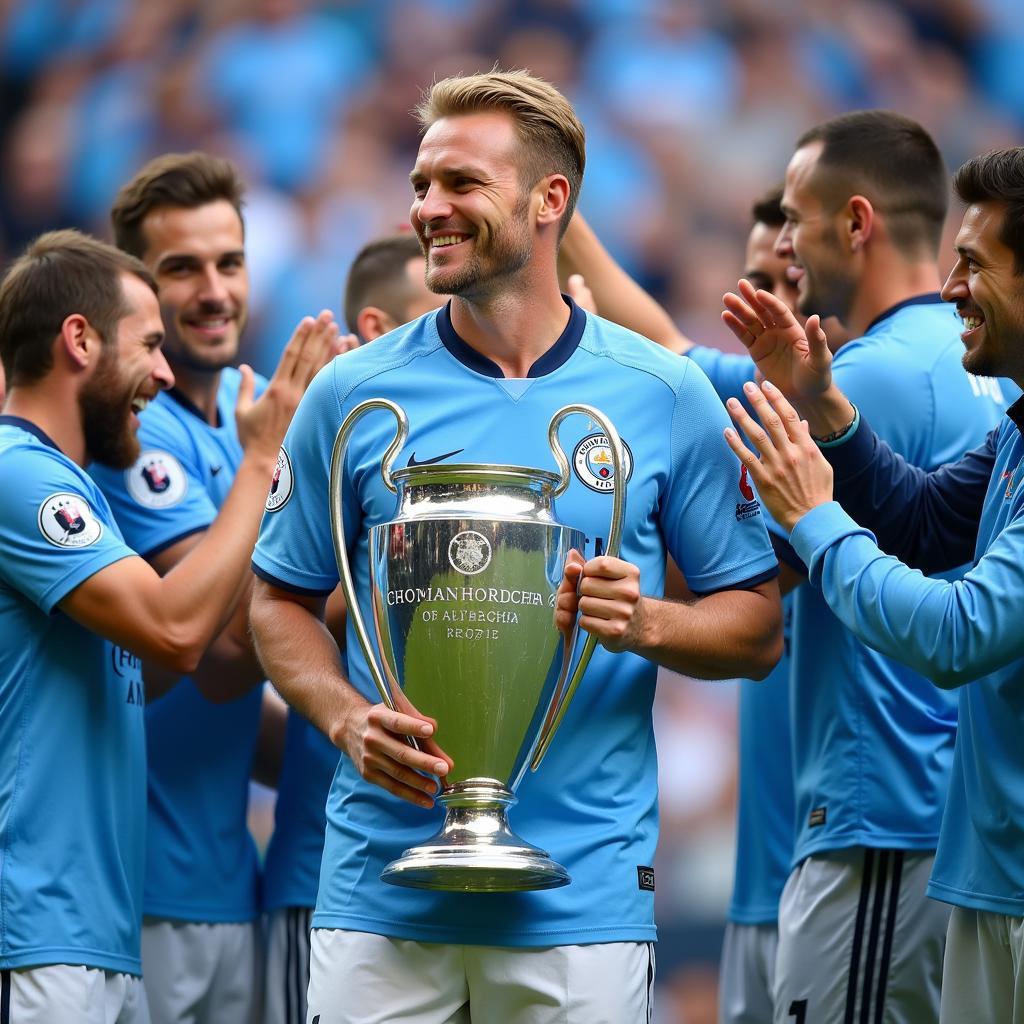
(962, 635)
(856, 932)
(498, 171)
(85, 619)
(764, 840)
(181, 215)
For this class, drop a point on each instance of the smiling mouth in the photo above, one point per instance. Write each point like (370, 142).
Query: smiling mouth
(971, 321)
(444, 241)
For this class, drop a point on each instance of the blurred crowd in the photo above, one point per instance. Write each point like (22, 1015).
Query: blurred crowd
(691, 109)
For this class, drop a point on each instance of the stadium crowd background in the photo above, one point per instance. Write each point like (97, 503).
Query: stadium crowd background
(691, 109)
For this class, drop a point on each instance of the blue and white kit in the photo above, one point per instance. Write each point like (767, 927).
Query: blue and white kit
(72, 774)
(593, 803)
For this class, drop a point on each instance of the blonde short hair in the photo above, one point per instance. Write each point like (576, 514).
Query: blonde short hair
(547, 124)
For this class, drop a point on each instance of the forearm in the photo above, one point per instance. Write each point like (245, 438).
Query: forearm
(619, 298)
(201, 593)
(951, 633)
(729, 634)
(299, 656)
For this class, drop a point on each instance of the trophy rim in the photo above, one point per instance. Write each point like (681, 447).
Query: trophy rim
(460, 471)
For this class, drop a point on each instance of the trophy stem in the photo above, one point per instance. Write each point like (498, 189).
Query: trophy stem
(475, 850)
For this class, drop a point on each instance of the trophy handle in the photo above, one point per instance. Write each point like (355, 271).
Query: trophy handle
(560, 701)
(338, 521)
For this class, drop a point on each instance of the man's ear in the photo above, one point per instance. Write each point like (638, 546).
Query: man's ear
(860, 221)
(372, 322)
(78, 341)
(554, 198)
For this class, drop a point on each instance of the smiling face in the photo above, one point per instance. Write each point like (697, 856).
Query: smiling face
(471, 210)
(824, 276)
(130, 372)
(198, 258)
(989, 295)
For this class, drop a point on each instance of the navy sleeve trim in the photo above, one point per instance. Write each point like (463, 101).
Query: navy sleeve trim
(290, 587)
(754, 581)
(162, 547)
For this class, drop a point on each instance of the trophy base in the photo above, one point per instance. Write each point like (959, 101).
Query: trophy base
(476, 851)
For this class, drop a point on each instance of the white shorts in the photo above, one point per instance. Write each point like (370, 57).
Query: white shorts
(70, 994)
(361, 978)
(201, 973)
(983, 976)
(859, 940)
(287, 976)
(746, 977)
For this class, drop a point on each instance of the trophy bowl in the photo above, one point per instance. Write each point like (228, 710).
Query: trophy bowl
(463, 581)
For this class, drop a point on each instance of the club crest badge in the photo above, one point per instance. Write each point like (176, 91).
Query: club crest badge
(66, 521)
(281, 483)
(469, 552)
(592, 461)
(157, 480)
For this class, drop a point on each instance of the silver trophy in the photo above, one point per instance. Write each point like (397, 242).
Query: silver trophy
(462, 585)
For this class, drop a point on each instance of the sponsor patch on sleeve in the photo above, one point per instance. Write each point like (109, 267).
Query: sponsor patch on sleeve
(157, 480)
(67, 521)
(750, 506)
(281, 484)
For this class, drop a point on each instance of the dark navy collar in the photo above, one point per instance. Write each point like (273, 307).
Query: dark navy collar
(1015, 412)
(24, 424)
(550, 361)
(189, 406)
(928, 299)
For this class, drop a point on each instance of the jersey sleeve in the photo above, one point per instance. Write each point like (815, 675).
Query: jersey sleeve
(55, 529)
(727, 371)
(162, 498)
(295, 550)
(930, 520)
(951, 633)
(710, 516)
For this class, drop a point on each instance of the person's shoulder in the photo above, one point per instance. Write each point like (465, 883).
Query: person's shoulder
(27, 460)
(631, 351)
(391, 352)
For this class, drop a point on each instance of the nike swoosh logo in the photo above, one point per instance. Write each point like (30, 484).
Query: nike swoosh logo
(413, 461)
(214, 470)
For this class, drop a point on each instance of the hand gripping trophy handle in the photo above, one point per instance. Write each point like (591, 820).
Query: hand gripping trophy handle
(564, 694)
(338, 524)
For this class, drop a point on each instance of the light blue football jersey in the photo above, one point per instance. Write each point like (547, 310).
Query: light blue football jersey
(965, 635)
(72, 740)
(201, 862)
(593, 803)
(291, 871)
(872, 739)
(764, 806)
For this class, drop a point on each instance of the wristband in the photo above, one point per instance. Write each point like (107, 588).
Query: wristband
(838, 435)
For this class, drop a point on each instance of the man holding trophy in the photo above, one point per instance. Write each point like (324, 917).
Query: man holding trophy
(459, 561)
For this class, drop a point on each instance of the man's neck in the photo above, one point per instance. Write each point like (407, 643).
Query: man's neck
(200, 387)
(48, 410)
(513, 328)
(885, 284)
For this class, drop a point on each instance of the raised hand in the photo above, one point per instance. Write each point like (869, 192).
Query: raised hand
(580, 293)
(793, 357)
(263, 422)
(791, 475)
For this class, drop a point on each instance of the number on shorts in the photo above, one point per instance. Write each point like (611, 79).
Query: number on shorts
(798, 1009)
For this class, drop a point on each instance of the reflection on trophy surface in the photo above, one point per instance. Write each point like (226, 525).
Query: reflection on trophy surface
(463, 583)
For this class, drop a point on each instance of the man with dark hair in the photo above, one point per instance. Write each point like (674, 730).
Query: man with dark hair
(964, 635)
(200, 939)
(385, 287)
(84, 618)
(874, 747)
(483, 375)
